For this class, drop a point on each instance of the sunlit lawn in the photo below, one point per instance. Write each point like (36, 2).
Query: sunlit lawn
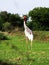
(16, 52)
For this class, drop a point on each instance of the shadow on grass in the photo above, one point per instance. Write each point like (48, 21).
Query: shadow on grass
(6, 63)
(3, 37)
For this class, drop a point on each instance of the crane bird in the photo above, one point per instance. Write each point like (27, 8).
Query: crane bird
(28, 32)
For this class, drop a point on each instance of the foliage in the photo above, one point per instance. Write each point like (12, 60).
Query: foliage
(4, 16)
(40, 18)
(1, 23)
(6, 26)
(7, 19)
(3, 37)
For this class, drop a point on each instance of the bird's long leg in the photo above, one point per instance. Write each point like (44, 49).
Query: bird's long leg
(27, 42)
(31, 45)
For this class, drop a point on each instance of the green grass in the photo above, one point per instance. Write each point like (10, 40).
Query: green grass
(15, 51)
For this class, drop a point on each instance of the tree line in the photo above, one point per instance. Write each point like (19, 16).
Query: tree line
(9, 21)
(39, 19)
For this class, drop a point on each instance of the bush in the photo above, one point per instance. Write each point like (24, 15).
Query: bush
(6, 26)
(3, 37)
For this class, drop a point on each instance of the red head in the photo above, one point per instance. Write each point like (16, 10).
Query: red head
(25, 18)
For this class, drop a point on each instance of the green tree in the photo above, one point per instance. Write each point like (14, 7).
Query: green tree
(40, 18)
(7, 18)
(1, 23)
(4, 16)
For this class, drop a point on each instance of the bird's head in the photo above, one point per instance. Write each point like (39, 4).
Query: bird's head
(25, 18)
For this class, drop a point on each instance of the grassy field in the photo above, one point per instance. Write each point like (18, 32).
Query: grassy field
(15, 52)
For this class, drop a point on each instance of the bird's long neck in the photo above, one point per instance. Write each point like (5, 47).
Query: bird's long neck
(24, 24)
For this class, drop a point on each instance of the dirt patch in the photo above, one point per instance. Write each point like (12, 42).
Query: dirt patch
(46, 38)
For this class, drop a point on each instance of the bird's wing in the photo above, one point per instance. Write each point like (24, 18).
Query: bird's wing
(28, 30)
